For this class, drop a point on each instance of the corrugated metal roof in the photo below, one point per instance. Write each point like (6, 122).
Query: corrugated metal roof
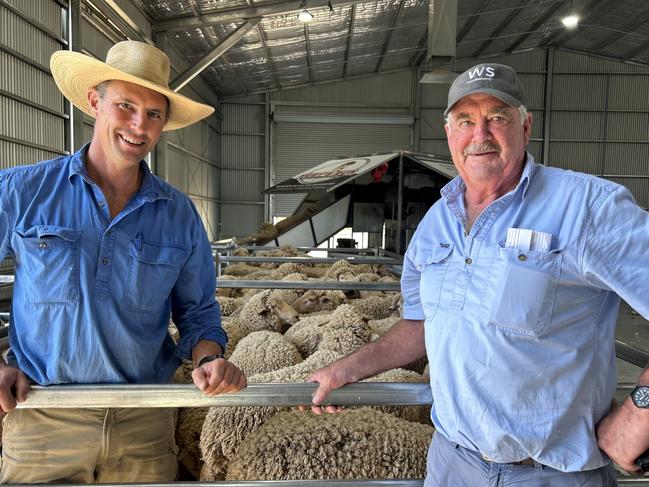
(349, 38)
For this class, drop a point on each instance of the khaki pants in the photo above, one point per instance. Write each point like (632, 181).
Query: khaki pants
(89, 445)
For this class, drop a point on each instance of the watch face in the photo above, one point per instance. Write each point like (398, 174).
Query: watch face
(640, 396)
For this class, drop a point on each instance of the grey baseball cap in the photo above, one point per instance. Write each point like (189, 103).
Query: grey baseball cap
(490, 78)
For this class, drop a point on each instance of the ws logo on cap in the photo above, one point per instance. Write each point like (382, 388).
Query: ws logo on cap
(481, 73)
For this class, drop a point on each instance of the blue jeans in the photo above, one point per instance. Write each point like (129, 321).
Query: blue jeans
(450, 465)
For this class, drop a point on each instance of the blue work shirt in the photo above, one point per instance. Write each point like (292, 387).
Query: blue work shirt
(93, 296)
(521, 342)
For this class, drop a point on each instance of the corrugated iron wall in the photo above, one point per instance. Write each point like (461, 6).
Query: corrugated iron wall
(598, 115)
(600, 120)
(243, 164)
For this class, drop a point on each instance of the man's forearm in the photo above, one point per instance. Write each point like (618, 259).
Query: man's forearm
(402, 344)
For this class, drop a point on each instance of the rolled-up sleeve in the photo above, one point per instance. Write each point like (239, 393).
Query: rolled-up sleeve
(410, 277)
(194, 308)
(614, 250)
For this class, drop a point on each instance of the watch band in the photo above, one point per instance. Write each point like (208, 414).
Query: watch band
(209, 358)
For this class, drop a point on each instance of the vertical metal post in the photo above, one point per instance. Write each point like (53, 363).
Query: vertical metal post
(74, 133)
(547, 115)
(416, 128)
(605, 125)
(267, 168)
(161, 165)
(270, 106)
(399, 204)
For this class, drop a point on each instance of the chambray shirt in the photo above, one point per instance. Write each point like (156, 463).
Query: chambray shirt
(521, 342)
(93, 296)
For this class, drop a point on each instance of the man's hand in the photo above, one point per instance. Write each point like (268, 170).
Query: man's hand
(219, 376)
(14, 386)
(329, 378)
(623, 434)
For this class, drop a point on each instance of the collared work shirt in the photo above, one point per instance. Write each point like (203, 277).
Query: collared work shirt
(521, 342)
(93, 296)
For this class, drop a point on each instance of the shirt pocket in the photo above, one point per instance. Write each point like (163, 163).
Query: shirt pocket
(432, 266)
(47, 264)
(153, 272)
(524, 290)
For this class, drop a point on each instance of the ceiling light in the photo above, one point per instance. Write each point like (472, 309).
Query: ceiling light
(570, 21)
(305, 16)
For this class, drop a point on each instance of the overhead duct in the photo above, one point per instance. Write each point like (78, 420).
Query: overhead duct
(442, 32)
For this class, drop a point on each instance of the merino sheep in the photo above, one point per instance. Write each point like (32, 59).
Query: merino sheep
(318, 300)
(375, 307)
(264, 351)
(225, 428)
(353, 444)
(266, 312)
(229, 305)
(239, 269)
(344, 330)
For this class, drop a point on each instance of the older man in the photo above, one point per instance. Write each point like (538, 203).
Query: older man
(511, 285)
(105, 252)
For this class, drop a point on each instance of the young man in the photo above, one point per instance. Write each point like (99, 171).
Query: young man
(511, 286)
(105, 252)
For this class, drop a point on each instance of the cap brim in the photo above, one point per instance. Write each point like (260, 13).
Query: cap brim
(75, 74)
(502, 96)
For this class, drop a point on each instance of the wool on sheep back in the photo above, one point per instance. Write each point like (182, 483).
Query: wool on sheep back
(353, 444)
(264, 351)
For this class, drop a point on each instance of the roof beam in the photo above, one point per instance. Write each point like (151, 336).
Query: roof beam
(626, 30)
(269, 59)
(352, 21)
(472, 21)
(593, 11)
(193, 71)
(224, 61)
(627, 56)
(281, 7)
(416, 58)
(548, 15)
(503, 25)
(388, 37)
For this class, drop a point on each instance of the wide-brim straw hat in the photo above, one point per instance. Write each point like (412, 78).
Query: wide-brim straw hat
(136, 62)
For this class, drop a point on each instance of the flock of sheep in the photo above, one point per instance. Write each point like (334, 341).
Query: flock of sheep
(283, 336)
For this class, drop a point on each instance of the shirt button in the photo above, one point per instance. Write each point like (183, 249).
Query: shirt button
(522, 257)
(42, 245)
(104, 261)
(101, 204)
(468, 261)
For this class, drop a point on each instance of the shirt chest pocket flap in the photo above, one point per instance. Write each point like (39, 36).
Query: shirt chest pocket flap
(153, 274)
(47, 263)
(432, 264)
(525, 287)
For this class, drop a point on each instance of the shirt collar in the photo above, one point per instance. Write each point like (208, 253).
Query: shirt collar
(457, 187)
(150, 190)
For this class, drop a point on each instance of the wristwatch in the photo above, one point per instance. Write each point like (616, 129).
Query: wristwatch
(640, 397)
(209, 358)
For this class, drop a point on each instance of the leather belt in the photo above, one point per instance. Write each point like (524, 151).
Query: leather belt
(526, 461)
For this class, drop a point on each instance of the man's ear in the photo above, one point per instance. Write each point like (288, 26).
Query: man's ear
(93, 101)
(527, 128)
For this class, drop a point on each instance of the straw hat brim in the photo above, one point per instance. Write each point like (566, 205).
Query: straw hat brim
(75, 74)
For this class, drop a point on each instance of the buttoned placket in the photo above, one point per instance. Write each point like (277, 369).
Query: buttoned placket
(471, 249)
